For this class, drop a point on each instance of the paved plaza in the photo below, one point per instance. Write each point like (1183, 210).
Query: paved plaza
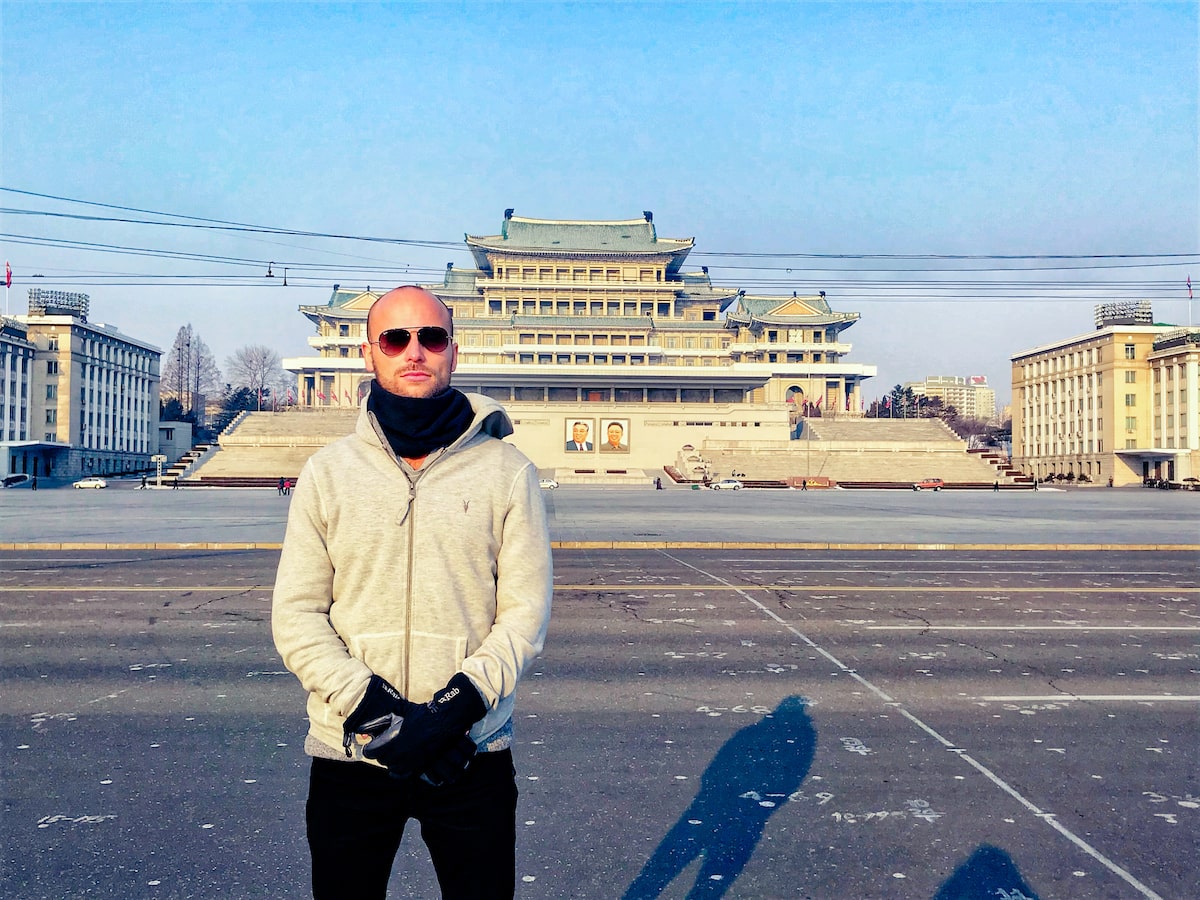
(711, 717)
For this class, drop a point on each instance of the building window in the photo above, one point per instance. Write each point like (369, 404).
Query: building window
(1131, 423)
(1131, 399)
(52, 392)
(1130, 351)
(52, 367)
(1131, 377)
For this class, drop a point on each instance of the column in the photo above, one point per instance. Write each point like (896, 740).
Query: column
(1188, 389)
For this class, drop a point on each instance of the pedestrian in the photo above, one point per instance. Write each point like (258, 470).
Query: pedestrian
(175, 483)
(804, 484)
(287, 487)
(143, 487)
(658, 484)
(33, 484)
(413, 591)
(996, 485)
(280, 486)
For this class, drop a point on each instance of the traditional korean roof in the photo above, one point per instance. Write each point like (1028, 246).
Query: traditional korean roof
(792, 310)
(563, 237)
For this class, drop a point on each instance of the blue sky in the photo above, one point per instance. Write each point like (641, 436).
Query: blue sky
(848, 129)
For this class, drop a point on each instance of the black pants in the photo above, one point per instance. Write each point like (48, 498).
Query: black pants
(356, 815)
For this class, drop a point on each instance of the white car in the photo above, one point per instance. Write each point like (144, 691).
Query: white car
(727, 484)
(548, 483)
(91, 482)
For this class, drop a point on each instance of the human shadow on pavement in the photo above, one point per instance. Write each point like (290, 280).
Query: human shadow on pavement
(988, 873)
(747, 781)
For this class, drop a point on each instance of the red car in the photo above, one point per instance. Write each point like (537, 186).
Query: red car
(929, 484)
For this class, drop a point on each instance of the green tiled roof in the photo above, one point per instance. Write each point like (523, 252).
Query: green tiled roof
(636, 236)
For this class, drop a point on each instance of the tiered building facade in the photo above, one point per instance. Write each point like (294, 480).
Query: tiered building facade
(590, 324)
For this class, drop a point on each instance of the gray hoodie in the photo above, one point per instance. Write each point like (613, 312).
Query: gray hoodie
(413, 575)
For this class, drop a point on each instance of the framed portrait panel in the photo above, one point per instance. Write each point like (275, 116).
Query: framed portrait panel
(580, 435)
(614, 436)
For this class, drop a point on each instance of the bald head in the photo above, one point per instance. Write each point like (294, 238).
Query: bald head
(414, 371)
(406, 297)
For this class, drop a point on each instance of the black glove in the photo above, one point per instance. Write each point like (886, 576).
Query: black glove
(448, 766)
(410, 744)
(375, 711)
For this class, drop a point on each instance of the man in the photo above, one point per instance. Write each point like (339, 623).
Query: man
(413, 591)
(616, 431)
(579, 435)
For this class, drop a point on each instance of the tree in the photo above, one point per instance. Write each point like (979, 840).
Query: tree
(189, 373)
(258, 369)
(171, 411)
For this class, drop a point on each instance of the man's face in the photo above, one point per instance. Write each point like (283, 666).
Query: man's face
(415, 371)
(614, 434)
(579, 433)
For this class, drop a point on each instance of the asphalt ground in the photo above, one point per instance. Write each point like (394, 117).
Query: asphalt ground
(705, 721)
(1081, 517)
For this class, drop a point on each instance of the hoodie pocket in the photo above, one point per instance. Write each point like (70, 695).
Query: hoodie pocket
(418, 664)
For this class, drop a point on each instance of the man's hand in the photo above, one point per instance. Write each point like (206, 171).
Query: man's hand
(377, 710)
(412, 741)
(449, 765)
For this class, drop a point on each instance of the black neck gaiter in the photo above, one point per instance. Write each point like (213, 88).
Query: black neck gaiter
(416, 426)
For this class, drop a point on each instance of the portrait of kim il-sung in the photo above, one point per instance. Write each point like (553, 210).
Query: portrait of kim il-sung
(615, 436)
(579, 435)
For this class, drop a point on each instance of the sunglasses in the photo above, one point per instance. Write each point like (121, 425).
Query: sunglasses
(433, 338)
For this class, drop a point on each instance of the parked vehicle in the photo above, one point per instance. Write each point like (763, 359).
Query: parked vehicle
(91, 482)
(17, 480)
(548, 483)
(727, 484)
(929, 484)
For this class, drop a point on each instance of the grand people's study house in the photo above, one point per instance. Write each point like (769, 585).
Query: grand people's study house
(569, 322)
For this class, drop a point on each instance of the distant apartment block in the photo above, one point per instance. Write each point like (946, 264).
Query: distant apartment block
(970, 395)
(1119, 402)
(91, 392)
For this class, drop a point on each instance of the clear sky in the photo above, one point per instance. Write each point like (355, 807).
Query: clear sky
(824, 134)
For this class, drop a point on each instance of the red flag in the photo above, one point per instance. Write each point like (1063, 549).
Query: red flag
(1189, 284)
(320, 395)
(348, 400)
(8, 276)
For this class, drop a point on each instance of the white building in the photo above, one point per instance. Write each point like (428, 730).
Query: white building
(93, 391)
(971, 395)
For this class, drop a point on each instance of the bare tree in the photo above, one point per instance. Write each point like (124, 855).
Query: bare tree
(189, 371)
(258, 368)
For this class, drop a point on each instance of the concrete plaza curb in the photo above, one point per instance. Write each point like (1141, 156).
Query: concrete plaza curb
(653, 545)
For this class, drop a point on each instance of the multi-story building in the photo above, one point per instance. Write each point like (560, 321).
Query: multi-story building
(93, 391)
(971, 396)
(17, 453)
(1119, 402)
(596, 324)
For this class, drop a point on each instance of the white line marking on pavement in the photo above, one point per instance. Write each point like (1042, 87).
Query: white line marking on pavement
(1048, 818)
(1099, 698)
(1033, 628)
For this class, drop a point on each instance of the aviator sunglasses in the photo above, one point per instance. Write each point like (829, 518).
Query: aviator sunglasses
(433, 338)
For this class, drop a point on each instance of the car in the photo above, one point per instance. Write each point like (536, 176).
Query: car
(929, 484)
(91, 482)
(727, 484)
(548, 483)
(17, 480)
